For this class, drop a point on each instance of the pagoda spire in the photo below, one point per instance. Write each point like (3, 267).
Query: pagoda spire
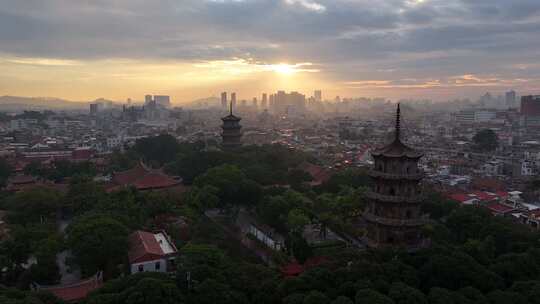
(398, 121)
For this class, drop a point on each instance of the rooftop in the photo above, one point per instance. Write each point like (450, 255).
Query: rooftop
(147, 246)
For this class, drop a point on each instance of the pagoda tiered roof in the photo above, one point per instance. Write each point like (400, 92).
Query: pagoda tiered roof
(396, 148)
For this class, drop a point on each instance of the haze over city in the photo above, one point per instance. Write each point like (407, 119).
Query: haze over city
(190, 49)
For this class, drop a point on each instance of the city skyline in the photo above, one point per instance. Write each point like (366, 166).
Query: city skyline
(194, 49)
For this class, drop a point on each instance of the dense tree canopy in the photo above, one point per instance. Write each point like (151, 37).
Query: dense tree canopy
(98, 242)
(486, 140)
(160, 149)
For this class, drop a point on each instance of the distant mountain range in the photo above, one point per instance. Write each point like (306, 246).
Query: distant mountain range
(17, 103)
(204, 103)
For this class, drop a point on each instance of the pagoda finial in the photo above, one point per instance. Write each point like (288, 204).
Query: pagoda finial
(398, 118)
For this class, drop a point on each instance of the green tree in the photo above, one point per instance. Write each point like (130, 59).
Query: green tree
(316, 297)
(213, 292)
(295, 298)
(46, 270)
(342, 300)
(503, 297)
(444, 296)
(5, 171)
(150, 291)
(15, 296)
(350, 177)
(160, 149)
(85, 195)
(98, 242)
(297, 177)
(528, 289)
(403, 294)
(370, 296)
(473, 295)
(156, 203)
(297, 220)
(34, 205)
(203, 198)
(486, 140)
(233, 187)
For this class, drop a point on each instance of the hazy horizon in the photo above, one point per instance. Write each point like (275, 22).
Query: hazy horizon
(191, 49)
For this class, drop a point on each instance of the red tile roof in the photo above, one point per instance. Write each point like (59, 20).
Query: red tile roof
(460, 197)
(82, 154)
(292, 269)
(143, 178)
(318, 173)
(77, 291)
(155, 181)
(499, 208)
(143, 247)
(22, 179)
(129, 176)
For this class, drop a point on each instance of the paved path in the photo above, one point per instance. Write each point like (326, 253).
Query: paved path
(240, 235)
(68, 275)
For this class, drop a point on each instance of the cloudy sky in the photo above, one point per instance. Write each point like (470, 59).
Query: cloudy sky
(116, 49)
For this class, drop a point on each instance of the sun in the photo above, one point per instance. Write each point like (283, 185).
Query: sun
(283, 68)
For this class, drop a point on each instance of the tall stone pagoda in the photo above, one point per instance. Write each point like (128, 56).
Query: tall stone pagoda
(232, 131)
(393, 212)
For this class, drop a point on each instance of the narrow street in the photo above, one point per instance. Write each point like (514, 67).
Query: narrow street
(69, 275)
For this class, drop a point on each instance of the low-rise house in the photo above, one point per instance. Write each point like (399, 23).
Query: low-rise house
(267, 236)
(154, 252)
(531, 218)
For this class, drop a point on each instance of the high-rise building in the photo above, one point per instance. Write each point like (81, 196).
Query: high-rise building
(232, 131)
(94, 108)
(244, 103)
(233, 99)
(293, 102)
(530, 110)
(147, 99)
(318, 95)
(530, 105)
(510, 98)
(264, 101)
(255, 103)
(224, 100)
(163, 100)
(393, 212)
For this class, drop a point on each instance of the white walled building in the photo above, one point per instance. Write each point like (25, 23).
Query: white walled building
(154, 252)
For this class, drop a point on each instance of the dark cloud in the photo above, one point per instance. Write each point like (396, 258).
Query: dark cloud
(468, 35)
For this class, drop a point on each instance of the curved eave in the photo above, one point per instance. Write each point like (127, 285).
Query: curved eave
(231, 118)
(412, 154)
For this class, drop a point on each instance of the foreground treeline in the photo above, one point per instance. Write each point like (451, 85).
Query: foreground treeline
(475, 258)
